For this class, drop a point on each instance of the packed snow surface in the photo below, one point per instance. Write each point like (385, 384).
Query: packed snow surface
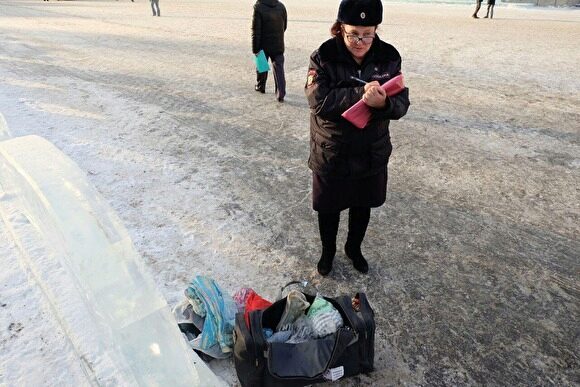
(475, 256)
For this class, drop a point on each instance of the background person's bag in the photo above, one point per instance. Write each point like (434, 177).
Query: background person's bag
(348, 352)
(261, 61)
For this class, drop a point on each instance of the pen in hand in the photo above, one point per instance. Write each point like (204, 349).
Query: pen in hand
(358, 80)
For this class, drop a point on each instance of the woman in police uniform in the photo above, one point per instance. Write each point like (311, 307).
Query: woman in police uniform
(349, 165)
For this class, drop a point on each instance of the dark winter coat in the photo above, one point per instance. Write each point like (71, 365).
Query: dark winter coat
(268, 26)
(337, 148)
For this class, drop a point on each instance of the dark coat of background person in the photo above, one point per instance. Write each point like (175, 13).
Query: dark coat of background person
(337, 148)
(268, 25)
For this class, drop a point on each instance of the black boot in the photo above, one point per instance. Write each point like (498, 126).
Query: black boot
(261, 79)
(328, 226)
(358, 220)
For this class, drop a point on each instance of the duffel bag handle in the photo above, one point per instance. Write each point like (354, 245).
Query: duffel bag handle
(304, 283)
(345, 303)
(365, 305)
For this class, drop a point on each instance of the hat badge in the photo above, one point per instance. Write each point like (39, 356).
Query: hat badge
(362, 15)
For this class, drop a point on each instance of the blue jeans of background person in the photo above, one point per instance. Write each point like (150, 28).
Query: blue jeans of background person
(279, 78)
(155, 4)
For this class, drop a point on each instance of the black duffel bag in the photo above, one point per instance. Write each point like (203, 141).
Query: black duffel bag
(347, 352)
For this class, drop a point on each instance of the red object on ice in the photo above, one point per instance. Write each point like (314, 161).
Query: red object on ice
(254, 302)
(359, 114)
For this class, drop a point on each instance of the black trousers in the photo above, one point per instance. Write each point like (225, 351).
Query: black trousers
(279, 78)
(358, 221)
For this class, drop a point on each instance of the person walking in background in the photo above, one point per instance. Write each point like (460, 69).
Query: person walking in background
(155, 7)
(490, 5)
(477, 7)
(349, 165)
(269, 23)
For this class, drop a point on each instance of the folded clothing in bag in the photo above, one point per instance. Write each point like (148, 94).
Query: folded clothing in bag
(296, 304)
(349, 351)
(359, 114)
(325, 318)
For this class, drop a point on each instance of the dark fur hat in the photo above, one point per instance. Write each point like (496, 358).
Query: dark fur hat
(360, 12)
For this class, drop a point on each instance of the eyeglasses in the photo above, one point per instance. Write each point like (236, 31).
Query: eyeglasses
(354, 39)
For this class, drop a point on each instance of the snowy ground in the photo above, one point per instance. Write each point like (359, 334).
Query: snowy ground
(474, 258)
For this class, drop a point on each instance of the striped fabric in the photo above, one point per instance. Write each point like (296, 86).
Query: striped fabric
(324, 317)
(220, 311)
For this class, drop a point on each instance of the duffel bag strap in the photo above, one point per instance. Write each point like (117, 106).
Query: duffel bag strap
(365, 307)
(257, 333)
(345, 303)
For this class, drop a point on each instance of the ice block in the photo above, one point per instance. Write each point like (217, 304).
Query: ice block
(82, 258)
(4, 132)
(359, 114)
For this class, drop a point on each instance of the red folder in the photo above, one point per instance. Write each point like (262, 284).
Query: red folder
(359, 114)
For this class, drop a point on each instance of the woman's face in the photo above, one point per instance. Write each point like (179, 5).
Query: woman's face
(358, 40)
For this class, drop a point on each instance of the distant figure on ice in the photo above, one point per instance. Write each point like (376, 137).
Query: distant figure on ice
(155, 7)
(490, 5)
(268, 26)
(349, 165)
(477, 7)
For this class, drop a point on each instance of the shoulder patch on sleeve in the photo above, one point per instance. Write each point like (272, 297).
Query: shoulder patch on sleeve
(311, 79)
